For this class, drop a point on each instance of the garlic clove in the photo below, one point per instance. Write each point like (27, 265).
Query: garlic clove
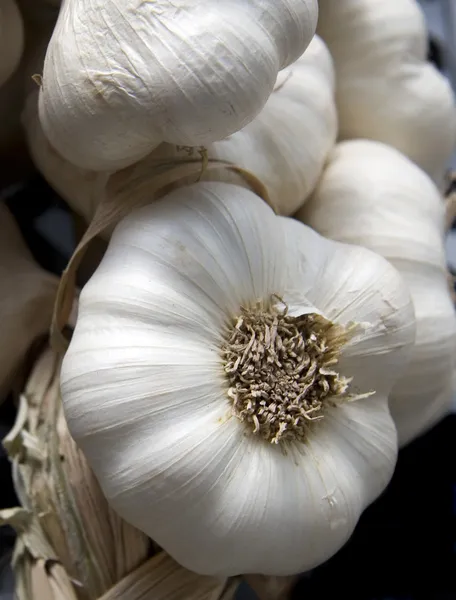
(372, 206)
(168, 383)
(424, 394)
(346, 271)
(118, 81)
(369, 23)
(26, 301)
(197, 465)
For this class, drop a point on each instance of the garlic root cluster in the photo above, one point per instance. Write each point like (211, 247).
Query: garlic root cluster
(386, 89)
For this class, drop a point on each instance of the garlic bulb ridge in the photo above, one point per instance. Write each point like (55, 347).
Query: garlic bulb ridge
(386, 90)
(122, 77)
(373, 196)
(228, 381)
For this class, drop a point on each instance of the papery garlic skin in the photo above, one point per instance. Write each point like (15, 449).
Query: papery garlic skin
(11, 39)
(386, 89)
(146, 396)
(372, 195)
(26, 301)
(122, 77)
(285, 146)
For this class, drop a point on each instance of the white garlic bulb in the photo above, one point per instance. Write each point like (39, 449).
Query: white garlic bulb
(386, 90)
(11, 39)
(26, 301)
(122, 77)
(372, 195)
(228, 379)
(285, 146)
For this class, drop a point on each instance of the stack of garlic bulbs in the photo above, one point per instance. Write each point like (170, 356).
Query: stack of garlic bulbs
(237, 380)
(386, 91)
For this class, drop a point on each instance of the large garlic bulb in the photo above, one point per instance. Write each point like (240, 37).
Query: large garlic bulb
(122, 77)
(11, 39)
(372, 195)
(228, 380)
(26, 299)
(285, 146)
(386, 90)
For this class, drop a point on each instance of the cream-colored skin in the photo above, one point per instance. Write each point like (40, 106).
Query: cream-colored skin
(285, 146)
(373, 196)
(26, 299)
(146, 396)
(122, 76)
(386, 90)
(11, 39)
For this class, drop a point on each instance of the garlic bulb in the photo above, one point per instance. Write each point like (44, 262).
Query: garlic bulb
(386, 90)
(11, 39)
(26, 300)
(373, 196)
(228, 379)
(271, 147)
(122, 77)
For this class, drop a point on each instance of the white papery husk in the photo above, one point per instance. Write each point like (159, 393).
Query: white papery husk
(179, 72)
(145, 393)
(26, 300)
(386, 89)
(70, 545)
(285, 146)
(372, 195)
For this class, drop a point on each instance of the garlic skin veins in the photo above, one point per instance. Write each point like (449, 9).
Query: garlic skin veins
(26, 301)
(373, 196)
(301, 107)
(386, 89)
(11, 39)
(148, 391)
(122, 77)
